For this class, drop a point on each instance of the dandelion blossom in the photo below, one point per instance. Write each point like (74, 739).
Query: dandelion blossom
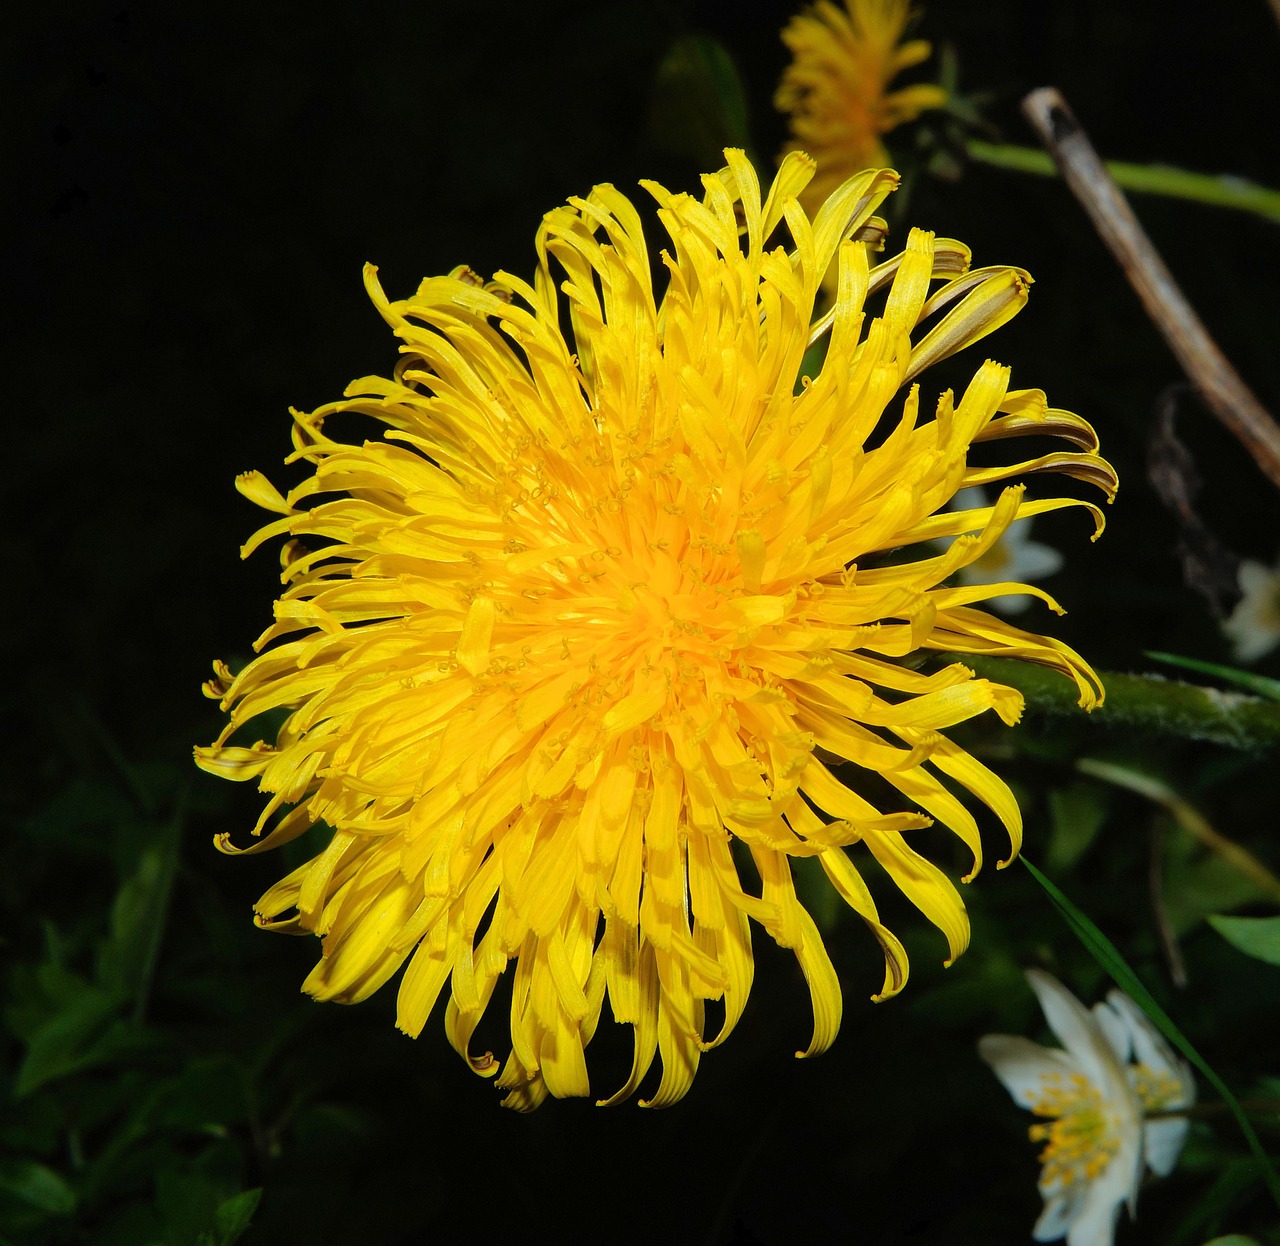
(837, 87)
(599, 634)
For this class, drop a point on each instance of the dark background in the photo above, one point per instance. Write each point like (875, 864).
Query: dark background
(192, 190)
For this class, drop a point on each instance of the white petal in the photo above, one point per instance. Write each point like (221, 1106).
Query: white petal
(1022, 1065)
(1015, 537)
(1033, 561)
(1163, 1141)
(1009, 603)
(1254, 578)
(1151, 1049)
(1066, 1015)
(1115, 1028)
(1059, 1213)
(1081, 1035)
(994, 567)
(1253, 636)
(1122, 1177)
(974, 498)
(1096, 1223)
(1117, 1183)
(1254, 625)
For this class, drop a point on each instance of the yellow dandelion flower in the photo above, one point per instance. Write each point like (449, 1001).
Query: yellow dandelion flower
(600, 634)
(837, 86)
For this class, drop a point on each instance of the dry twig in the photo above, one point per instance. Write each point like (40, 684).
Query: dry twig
(1228, 396)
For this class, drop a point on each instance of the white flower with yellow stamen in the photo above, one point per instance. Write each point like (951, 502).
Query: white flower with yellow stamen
(1092, 1100)
(605, 629)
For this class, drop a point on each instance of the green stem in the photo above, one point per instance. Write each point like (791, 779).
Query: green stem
(1218, 190)
(1144, 703)
(1257, 1106)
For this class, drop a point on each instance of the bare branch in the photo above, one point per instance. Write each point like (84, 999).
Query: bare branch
(1227, 395)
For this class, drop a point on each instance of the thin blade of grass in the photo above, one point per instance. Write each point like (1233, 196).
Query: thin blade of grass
(1259, 685)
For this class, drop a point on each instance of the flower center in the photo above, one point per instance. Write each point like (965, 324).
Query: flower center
(1156, 1089)
(1081, 1138)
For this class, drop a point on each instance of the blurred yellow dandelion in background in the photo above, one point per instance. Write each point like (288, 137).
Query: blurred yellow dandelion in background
(837, 87)
(574, 655)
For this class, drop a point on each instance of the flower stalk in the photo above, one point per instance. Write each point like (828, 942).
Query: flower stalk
(1219, 190)
(1147, 703)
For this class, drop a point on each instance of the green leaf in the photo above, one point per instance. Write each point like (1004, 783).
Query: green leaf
(1188, 817)
(61, 1045)
(1146, 705)
(1197, 885)
(235, 1215)
(208, 1093)
(1233, 1239)
(1077, 814)
(38, 1186)
(40, 992)
(1260, 685)
(1258, 937)
(86, 1032)
(127, 959)
(699, 106)
(77, 815)
(231, 1219)
(1108, 956)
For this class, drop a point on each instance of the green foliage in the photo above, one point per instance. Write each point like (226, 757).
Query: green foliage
(698, 106)
(36, 1186)
(1145, 705)
(1076, 814)
(117, 1128)
(231, 1219)
(1258, 937)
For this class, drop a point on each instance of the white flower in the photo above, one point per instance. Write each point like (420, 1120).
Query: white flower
(1254, 625)
(1014, 558)
(1161, 1081)
(1092, 1100)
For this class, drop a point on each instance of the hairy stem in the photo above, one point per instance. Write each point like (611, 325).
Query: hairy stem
(1143, 703)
